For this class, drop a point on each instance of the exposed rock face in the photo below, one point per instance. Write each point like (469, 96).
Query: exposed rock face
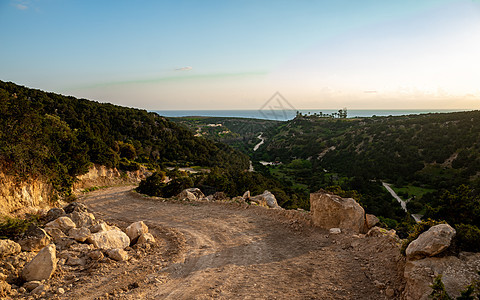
(457, 273)
(9, 247)
(135, 230)
(16, 195)
(146, 238)
(42, 266)
(117, 254)
(110, 239)
(266, 199)
(79, 234)
(99, 175)
(431, 242)
(36, 239)
(192, 194)
(331, 211)
(62, 223)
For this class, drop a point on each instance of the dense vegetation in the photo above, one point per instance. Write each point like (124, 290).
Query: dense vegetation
(58, 137)
(240, 133)
(433, 160)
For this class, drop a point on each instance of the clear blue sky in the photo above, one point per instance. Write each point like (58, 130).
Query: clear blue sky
(236, 54)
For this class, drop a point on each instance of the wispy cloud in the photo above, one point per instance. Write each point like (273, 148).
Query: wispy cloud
(184, 69)
(21, 4)
(180, 78)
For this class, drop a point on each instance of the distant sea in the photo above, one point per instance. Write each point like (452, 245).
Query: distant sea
(284, 115)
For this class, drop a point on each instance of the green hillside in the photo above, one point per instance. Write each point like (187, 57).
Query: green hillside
(58, 136)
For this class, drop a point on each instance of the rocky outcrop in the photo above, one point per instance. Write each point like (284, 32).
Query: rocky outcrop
(111, 239)
(267, 199)
(42, 266)
(17, 195)
(457, 273)
(99, 175)
(135, 230)
(431, 242)
(192, 194)
(331, 211)
(9, 247)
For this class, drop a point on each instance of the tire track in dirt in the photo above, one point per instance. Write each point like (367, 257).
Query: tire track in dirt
(233, 252)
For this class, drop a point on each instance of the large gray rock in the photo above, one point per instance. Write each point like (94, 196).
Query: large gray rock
(62, 223)
(136, 229)
(192, 194)
(36, 238)
(457, 273)
(42, 266)
(331, 211)
(110, 239)
(82, 218)
(266, 199)
(431, 242)
(9, 247)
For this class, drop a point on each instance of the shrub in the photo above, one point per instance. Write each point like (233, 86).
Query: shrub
(468, 237)
(12, 228)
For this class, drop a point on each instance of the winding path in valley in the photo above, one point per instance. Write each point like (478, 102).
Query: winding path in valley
(233, 251)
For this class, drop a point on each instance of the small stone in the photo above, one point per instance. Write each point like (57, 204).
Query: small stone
(390, 292)
(335, 230)
(38, 290)
(61, 291)
(136, 229)
(117, 254)
(22, 290)
(95, 255)
(146, 238)
(31, 285)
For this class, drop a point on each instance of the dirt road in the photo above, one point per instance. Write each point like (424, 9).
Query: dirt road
(226, 251)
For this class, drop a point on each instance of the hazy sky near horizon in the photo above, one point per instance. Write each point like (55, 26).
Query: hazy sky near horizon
(319, 54)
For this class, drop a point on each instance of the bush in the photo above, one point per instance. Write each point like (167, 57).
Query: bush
(12, 228)
(152, 185)
(468, 237)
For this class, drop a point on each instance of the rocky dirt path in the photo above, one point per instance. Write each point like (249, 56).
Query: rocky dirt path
(226, 251)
